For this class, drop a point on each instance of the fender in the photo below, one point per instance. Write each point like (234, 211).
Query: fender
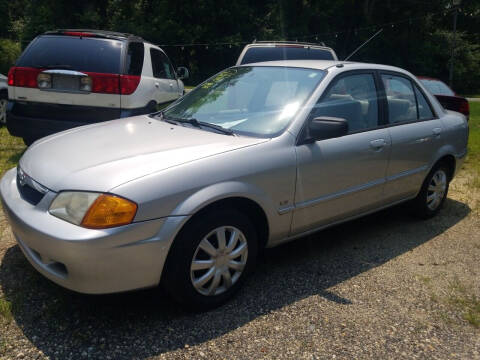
(231, 189)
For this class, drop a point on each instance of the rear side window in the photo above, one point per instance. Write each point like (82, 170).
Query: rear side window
(259, 54)
(74, 53)
(161, 66)
(405, 102)
(134, 62)
(424, 110)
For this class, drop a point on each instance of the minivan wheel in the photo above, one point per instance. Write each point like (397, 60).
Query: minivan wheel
(210, 258)
(3, 107)
(433, 192)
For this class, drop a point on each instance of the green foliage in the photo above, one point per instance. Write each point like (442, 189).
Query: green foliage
(9, 51)
(420, 40)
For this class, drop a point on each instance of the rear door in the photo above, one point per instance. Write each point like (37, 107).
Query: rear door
(70, 70)
(416, 134)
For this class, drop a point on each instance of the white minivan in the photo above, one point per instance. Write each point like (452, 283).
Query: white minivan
(68, 78)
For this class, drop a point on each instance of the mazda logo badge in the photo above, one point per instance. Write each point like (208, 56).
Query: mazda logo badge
(22, 177)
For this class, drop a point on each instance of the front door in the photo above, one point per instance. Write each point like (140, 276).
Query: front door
(341, 177)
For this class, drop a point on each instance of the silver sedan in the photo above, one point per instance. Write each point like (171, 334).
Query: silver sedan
(253, 157)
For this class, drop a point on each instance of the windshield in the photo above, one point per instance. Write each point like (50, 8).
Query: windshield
(75, 53)
(437, 87)
(257, 101)
(260, 54)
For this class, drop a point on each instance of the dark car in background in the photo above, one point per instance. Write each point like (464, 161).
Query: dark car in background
(446, 96)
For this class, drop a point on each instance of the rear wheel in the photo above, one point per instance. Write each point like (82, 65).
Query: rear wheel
(433, 192)
(3, 107)
(210, 258)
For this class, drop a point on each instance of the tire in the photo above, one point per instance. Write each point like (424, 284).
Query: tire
(3, 107)
(179, 276)
(433, 193)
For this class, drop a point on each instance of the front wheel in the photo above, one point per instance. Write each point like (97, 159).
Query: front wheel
(433, 192)
(210, 258)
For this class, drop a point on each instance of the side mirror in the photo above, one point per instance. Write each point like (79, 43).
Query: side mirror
(326, 127)
(182, 72)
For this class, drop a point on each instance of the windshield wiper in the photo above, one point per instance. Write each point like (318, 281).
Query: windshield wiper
(198, 124)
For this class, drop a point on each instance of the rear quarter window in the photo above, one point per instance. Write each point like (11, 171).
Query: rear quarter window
(260, 54)
(74, 53)
(134, 61)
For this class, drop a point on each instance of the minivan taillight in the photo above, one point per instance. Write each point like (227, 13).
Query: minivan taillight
(23, 77)
(11, 76)
(128, 84)
(113, 83)
(104, 83)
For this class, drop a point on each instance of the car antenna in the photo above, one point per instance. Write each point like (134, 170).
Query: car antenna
(361, 46)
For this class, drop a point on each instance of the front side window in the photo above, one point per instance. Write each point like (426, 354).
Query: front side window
(254, 100)
(405, 101)
(161, 67)
(353, 98)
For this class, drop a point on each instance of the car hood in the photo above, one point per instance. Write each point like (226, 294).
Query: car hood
(102, 156)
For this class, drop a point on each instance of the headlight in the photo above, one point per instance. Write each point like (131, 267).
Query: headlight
(93, 210)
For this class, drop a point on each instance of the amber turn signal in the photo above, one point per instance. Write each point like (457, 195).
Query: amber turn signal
(109, 211)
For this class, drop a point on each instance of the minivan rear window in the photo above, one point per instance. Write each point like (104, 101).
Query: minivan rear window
(259, 54)
(74, 53)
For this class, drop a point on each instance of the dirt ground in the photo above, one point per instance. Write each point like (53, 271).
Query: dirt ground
(385, 286)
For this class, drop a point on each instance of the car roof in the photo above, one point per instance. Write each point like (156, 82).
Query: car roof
(326, 64)
(98, 33)
(288, 43)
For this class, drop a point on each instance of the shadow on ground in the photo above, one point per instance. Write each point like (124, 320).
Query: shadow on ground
(141, 324)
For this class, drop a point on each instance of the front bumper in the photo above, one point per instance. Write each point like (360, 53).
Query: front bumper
(85, 260)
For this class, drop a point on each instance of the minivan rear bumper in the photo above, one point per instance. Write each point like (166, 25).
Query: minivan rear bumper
(33, 120)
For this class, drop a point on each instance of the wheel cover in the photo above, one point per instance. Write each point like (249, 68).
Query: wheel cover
(219, 260)
(3, 111)
(436, 189)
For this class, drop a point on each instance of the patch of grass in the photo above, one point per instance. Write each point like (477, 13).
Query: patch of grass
(472, 163)
(5, 309)
(466, 303)
(11, 149)
(3, 346)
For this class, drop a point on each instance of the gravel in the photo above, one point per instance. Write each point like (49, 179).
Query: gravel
(380, 287)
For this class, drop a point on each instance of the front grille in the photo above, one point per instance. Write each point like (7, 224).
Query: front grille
(29, 189)
(29, 194)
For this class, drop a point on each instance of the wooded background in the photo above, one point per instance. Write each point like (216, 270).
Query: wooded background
(417, 35)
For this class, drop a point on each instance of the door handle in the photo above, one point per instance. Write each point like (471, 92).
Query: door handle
(157, 84)
(171, 84)
(378, 144)
(437, 131)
